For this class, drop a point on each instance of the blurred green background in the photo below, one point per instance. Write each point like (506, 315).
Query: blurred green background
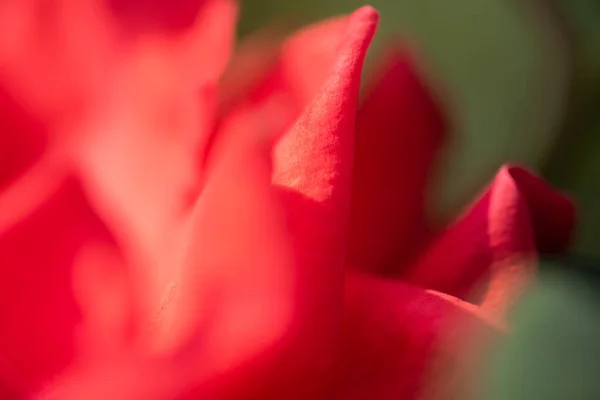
(519, 79)
(553, 352)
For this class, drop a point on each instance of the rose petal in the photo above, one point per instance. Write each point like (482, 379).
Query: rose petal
(255, 59)
(40, 313)
(497, 239)
(167, 16)
(293, 71)
(395, 336)
(313, 163)
(399, 130)
(71, 41)
(304, 63)
(233, 295)
(22, 139)
(140, 154)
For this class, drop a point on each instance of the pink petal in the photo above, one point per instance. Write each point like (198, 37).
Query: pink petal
(498, 240)
(399, 131)
(140, 155)
(399, 340)
(233, 298)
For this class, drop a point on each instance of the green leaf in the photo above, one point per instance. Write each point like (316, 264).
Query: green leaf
(554, 351)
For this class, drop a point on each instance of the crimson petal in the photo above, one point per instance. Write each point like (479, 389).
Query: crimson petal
(313, 167)
(402, 342)
(399, 131)
(41, 250)
(497, 240)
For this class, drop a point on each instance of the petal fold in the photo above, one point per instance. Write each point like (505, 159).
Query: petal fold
(489, 254)
(402, 342)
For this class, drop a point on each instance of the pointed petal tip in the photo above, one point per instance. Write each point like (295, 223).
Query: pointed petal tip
(367, 13)
(553, 213)
(364, 19)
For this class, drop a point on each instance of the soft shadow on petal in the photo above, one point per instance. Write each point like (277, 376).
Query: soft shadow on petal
(491, 251)
(149, 15)
(394, 334)
(40, 313)
(399, 130)
(23, 140)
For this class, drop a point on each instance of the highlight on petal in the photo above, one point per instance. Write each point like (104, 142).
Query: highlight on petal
(232, 300)
(140, 154)
(398, 340)
(399, 130)
(40, 312)
(493, 247)
(315, 157)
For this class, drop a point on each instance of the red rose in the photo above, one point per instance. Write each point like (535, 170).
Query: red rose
(165, 235)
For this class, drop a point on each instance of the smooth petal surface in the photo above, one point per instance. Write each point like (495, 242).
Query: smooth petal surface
(140, 155)
(44, 305)
(399, 130)
(294, 70)
(403, 342)
(169, 17)
(233, 297)
(490, 252)
(22, 139)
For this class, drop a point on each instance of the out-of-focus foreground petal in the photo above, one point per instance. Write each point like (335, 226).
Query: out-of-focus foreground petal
(47, 254)
(493, 248)
(141, 153)
(223, 316)
(22, 139)
(156, 15)
(232, 298)
(399, 131)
